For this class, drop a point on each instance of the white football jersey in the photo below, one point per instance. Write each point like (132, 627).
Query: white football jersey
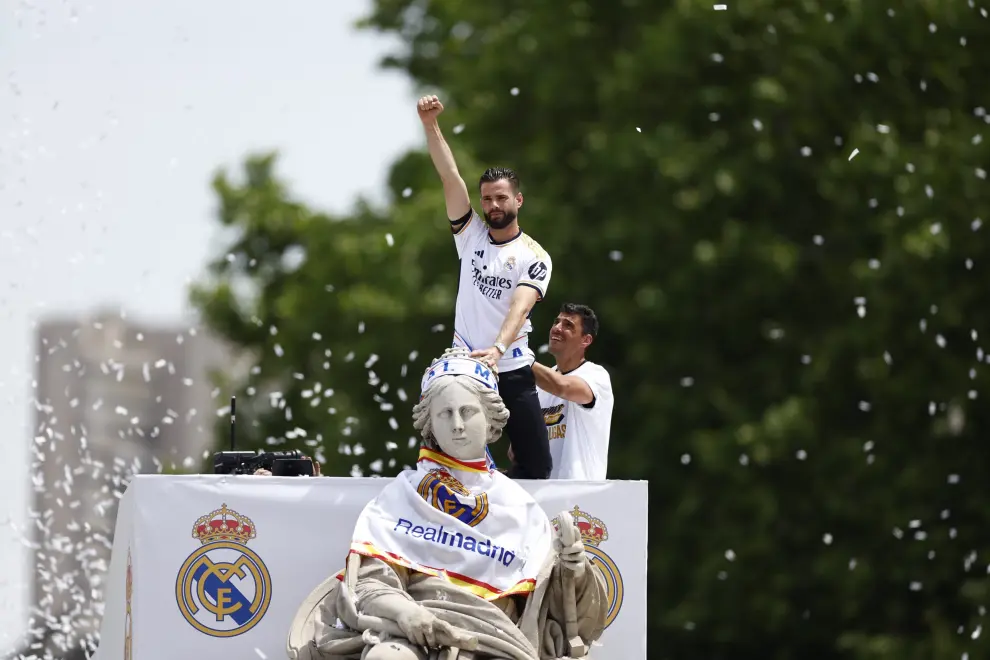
(489, 276)
(579, 434)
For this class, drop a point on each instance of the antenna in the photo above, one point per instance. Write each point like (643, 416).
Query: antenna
(233, 419)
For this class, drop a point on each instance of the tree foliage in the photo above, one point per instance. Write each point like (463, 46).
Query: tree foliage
(776, 211)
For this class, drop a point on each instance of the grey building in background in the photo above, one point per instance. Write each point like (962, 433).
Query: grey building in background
(113, 399)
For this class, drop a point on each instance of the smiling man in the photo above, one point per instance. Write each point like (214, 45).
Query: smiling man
(503, 273)
(576, 397)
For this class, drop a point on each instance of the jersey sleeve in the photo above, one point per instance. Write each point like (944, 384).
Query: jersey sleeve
(466, 230)
(537, 272)
(601, 386)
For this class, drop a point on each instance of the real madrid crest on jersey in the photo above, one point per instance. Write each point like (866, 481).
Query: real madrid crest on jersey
(594, 533)
(223, 589)
(447, 494)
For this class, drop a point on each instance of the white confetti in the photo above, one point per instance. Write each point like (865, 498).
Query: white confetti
(389, 240)
(853, 154)
(721, 7)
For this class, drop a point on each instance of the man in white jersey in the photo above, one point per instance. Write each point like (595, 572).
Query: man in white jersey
(576, 397)
(503, 273)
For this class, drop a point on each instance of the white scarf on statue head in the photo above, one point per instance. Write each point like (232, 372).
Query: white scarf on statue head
(461, 521)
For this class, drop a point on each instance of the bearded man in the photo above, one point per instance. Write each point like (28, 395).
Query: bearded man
(504, 272)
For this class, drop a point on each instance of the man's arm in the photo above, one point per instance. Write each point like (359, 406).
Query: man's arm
(522, 302)
(571, 388)
(454, 189)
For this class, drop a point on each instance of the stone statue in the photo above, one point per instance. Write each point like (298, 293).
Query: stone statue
(454, 559)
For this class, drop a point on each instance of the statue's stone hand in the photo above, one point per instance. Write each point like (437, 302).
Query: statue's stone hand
(574, 558)
(569, 546)
(422, 627)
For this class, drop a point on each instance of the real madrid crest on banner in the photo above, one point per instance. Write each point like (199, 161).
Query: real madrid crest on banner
(594, 533)
(223, 589)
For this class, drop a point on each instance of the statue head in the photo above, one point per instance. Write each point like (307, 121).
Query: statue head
(460, 410)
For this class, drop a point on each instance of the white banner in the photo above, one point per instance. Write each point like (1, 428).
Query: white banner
(216, 566)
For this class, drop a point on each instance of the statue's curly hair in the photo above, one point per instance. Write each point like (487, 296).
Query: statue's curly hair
(495, 411)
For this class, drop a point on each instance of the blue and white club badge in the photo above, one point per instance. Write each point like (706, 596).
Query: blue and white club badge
(223, 589)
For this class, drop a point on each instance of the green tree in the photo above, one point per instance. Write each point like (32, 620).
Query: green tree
(775, 209)
(338, 317)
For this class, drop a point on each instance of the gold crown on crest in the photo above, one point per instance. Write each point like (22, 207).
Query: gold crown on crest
(223, 525)
(593, 530)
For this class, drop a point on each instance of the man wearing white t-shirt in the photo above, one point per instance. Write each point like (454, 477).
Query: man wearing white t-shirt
(576, 397)
(503, 273)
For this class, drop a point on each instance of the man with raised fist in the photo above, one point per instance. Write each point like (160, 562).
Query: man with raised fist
(503, 273)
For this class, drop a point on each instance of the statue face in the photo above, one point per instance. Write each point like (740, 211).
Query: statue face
(459, 422)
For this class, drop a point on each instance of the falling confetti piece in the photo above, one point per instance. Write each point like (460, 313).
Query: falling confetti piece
(853, 154)
(721, 7)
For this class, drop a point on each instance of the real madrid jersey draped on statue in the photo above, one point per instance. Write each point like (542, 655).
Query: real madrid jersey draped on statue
(490, 273)
(462, 521)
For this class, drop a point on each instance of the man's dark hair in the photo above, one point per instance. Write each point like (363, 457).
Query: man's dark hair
(589, 322)
(493, 174)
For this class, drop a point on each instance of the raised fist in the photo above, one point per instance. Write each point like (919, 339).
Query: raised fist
(429, 108)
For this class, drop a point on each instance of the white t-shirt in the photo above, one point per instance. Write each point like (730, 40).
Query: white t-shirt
(579, 434)
(490, 273)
